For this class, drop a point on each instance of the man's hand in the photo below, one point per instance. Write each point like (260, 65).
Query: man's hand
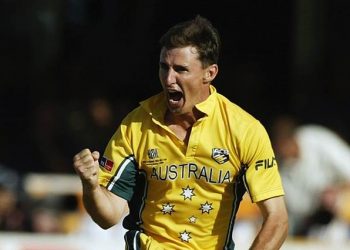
(86, 166)
(104, 207)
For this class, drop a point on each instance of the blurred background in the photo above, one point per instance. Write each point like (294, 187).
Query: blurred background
(72, 69)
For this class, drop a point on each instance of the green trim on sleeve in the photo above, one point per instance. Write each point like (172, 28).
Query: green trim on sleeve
(123, 182)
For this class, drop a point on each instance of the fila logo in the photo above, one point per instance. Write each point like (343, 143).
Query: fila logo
(266, 163)
(220, 155)
(153, 153)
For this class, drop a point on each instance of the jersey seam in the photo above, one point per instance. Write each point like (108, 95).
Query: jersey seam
(254, 197)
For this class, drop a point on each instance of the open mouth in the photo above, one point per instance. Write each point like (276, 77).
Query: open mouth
(175, 96)
(175, 99)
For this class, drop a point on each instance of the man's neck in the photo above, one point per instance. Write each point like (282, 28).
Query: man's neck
(185, 121)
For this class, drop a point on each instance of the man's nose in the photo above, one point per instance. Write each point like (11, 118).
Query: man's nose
(171, 77)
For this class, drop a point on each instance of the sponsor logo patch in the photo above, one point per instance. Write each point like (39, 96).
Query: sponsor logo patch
(106, 163)
(266, 163)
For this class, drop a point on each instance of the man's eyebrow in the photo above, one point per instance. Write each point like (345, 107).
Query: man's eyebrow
(163, 64)
(177, 66)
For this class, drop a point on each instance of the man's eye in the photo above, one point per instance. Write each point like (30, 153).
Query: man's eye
(180, 69)
(163, 66)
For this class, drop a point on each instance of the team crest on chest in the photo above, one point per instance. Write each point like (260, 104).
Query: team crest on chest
(220, 155)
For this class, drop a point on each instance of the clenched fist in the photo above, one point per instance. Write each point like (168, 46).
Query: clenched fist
(86, 166)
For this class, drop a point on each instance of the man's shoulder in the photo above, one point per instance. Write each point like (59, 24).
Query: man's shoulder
(153, 103)
(145, 109)
(235, 111)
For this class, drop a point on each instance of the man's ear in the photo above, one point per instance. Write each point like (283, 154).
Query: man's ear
(210, 73)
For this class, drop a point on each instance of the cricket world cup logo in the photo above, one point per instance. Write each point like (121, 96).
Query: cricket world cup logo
(153, 153)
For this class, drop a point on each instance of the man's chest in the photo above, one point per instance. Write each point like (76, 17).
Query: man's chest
(209, 156)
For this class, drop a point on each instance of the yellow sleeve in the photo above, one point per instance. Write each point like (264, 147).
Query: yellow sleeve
(118, 167)
(262, 177)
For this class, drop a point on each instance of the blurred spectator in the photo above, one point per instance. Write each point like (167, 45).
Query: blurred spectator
(81, 123)
(99, 123)
(54, 124)
(315, 168)
(12, 216)
(45, 220)
(54, 213)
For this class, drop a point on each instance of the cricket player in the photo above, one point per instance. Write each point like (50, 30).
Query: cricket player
(180, 163)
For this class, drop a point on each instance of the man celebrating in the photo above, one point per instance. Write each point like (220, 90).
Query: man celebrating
(182, 160)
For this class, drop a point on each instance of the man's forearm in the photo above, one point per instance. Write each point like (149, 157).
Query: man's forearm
(271, 235)
(105, 208)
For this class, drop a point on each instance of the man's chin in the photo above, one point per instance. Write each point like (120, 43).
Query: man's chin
(175, 111)
(175, 108)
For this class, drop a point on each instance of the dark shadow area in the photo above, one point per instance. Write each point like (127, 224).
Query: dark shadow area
(61, 58)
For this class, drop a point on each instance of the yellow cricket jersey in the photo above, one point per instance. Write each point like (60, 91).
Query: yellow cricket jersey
(186, 196)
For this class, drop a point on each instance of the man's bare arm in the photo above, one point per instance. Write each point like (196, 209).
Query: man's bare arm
(105, 208)
(274, 229)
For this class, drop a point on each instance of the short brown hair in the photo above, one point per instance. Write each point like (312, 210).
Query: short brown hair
(199, 33)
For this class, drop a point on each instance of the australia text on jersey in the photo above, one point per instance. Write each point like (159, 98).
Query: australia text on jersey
(208, 174)
(191, 170)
